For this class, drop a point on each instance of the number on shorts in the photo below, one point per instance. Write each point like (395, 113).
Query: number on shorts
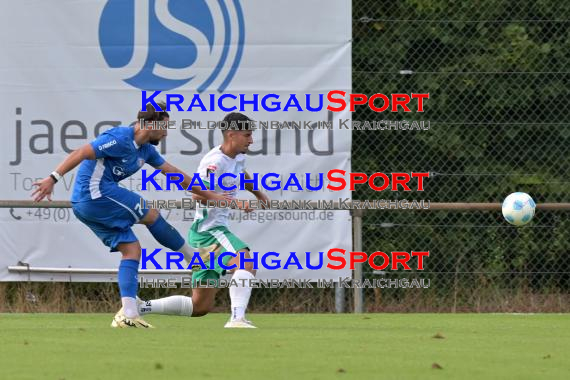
(138, 208)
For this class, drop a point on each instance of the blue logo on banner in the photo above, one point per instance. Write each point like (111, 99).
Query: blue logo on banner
(164, 44)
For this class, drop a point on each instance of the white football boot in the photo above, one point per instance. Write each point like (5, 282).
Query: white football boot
(239, 324)
(120, 320)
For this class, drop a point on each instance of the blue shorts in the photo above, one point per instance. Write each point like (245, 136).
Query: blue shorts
(112, 216)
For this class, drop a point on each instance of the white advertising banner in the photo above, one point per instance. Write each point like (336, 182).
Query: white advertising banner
(70, 70)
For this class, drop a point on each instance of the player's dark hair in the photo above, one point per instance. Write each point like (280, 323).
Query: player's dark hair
(151, 114)
(236, 121)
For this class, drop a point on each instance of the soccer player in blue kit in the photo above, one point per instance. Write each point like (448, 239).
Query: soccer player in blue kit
(110, 210)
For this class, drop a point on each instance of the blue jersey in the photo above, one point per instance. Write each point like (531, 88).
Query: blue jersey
(117, 157)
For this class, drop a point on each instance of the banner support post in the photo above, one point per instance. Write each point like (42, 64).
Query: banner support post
(357, 247)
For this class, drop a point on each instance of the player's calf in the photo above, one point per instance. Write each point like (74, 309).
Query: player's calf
(246, 265)
(203, 301)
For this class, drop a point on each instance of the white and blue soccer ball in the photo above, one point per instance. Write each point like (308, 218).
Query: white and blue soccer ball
(518, 208)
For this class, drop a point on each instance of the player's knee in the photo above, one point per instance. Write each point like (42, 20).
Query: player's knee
(246, 264)
(151, 217)
(130, 251)
(202, 304)
(201, 309)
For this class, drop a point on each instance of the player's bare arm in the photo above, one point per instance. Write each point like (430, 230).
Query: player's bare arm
(45, 186)
(260, 195)
(241, 204)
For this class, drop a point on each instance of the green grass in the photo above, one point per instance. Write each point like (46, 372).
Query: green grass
(286, 346)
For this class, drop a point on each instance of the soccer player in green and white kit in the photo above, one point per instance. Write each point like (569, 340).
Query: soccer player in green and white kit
(210, 233)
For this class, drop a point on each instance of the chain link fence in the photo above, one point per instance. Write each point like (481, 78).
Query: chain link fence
(497, 74)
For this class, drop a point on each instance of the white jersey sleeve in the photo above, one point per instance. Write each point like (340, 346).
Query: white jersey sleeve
(212, 163)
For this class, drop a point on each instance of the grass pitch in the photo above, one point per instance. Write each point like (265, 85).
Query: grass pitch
(286, 346)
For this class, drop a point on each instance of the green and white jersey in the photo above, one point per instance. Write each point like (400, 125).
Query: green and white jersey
(218, 163)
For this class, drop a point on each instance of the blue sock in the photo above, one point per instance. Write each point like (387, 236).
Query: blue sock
(166, 235)
(128, 278)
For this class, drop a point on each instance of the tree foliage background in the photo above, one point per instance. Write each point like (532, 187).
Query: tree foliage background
(498, 75)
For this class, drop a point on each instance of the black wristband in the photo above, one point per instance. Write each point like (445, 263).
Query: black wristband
(53, 177)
